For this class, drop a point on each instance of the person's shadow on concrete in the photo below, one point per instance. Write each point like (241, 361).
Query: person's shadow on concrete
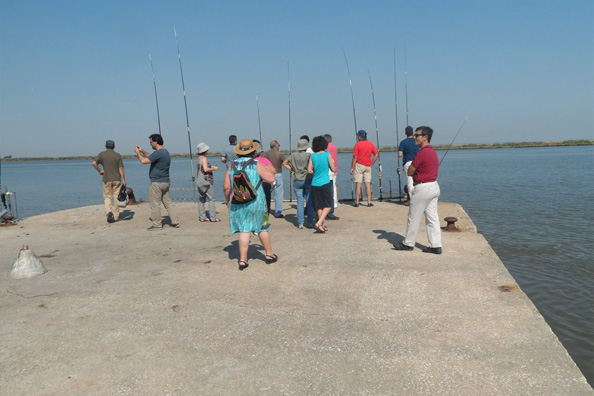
(393, 238)
(254, 251)
(126, 215)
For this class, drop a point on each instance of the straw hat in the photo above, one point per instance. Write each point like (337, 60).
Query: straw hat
(202, 147)
(245, 146)
(302, 145)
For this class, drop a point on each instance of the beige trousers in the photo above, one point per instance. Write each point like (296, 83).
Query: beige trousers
(110, 198)
(159, 193)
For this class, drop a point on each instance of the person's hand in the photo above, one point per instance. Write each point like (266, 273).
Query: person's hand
(101, 173)
(352, 171)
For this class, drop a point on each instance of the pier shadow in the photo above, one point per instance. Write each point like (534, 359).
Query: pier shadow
(393, 237)
(255, 250)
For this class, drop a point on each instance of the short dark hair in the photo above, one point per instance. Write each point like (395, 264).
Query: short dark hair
(232, 139)
(319, 144)
(409, 131)
(328, 137)
(155, 137)
(425, 130)
(274, 144)
(305, 137)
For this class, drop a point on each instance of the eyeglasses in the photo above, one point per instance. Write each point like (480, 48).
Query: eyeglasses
(419, 135)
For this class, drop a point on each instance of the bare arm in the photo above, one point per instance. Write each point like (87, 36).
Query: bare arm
(96, 166)
(374, 158)
(310, 166)
(205, 165)
(123, 175)
(353, 162)
(142, 155)
(266, 172)
(287, 164)
(331, 164)
(400, 154)
(227, 187)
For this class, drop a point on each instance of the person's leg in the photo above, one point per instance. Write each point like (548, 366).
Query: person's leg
(266, 243)
(298, 191)
(358, 191)
(212, 211)
(368, 190)
(201, 208)
(322, 213)
(167, 203)
(432, 218)
(409, 181)
(278, 194)
(244, 244)
(106, 197)
(155, 204)
(268, 193)
(115, 191)
(418, 202)
(308, 199)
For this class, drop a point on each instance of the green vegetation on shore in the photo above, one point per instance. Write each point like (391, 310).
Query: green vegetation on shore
(588, 142)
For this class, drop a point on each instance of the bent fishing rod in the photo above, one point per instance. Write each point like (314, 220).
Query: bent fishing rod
(354, 113)
(379, 160)
(397, 138)
(156, 98)
(446, 153)
(186, 106)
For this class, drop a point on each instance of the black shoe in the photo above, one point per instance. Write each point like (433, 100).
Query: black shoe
(271, 259)
(356, 205)
(436, 250)
(402, 246)
(110, 218)
(176, 225)
(332, 217)
(242, 266)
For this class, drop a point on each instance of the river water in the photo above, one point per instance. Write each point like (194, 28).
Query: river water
(535, 206)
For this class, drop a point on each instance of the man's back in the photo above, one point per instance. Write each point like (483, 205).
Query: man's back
(363, 151)
(160, 162)
(276, 158)
(409, 149)
(111, 162)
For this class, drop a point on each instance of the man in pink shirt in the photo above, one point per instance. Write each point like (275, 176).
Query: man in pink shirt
(364, 156)
(334, 153)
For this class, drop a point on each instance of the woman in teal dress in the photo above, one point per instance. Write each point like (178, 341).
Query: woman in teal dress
(248, 217)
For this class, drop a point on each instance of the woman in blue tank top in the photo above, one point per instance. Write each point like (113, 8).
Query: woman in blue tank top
(321, 186)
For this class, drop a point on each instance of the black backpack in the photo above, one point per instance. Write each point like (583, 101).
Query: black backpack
(243, 189)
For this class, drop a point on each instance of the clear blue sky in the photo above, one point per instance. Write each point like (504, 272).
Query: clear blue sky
(75, 73)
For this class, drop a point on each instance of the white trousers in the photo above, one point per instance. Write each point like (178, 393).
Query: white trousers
(332, 177)
(424, 200)
(409, 179)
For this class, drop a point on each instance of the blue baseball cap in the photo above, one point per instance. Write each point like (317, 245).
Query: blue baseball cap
(362, 132)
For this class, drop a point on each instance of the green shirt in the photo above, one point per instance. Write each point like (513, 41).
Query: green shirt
(111, 162)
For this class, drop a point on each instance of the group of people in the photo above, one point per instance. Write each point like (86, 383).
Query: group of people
(254, 175)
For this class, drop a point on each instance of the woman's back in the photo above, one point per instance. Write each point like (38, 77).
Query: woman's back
(321, 168)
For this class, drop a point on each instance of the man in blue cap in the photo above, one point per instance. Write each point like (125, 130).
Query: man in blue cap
(364, 156)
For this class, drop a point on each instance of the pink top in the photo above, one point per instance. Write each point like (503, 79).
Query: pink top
(334, 153)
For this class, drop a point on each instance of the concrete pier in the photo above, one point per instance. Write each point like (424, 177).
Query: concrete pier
(125, 311)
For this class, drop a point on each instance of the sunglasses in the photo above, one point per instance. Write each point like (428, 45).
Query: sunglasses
(419, 135)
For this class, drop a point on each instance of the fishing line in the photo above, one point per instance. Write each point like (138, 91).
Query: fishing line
(379, 160)
(397, 138)
(259, 125)
(156, 98)
(186, 106)
(406, 83)
(354, 113)
(446, 153)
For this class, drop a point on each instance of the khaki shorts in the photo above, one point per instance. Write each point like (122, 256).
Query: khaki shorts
(362, 173)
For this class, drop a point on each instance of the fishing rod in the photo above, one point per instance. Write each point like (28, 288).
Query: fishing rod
(406, 83)
(259, 125)
(397, 138)
(354, 113)
(379, 160)
(290, 148)
(156, 98)
(446, 153)
(186, 106)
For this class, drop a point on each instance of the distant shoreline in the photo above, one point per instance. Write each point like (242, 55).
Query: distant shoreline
(473, 146)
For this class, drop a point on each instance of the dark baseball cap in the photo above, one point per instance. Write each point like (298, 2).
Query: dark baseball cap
(362, 133)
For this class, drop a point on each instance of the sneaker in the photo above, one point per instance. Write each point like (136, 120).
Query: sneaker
(176, 225)
(356, 205)
(436, 250)
(110, 218)
(402, 246)
(300, 226)
(332, 217)
(153, 228)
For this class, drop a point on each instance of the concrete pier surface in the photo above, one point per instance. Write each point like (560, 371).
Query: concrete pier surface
(125, 311)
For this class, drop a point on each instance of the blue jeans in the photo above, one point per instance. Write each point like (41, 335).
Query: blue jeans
(302, 189)
(278, 194)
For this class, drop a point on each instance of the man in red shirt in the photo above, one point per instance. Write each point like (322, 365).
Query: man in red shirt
(364, 156)
(424, 171)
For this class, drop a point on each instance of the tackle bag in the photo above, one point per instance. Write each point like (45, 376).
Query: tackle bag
(243, 189)
(123, 197)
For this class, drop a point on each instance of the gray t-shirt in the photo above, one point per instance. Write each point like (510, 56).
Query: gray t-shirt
(160, 161)
(299, 161)
(229, 154)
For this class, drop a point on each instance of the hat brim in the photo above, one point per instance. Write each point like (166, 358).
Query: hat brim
(238, 150)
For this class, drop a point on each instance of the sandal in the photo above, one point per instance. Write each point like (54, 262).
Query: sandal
(244, 266)
(215, 220)
(271, 259)
(319, 228)
(204, 221)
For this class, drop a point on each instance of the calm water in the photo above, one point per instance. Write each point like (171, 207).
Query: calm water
(535, 206)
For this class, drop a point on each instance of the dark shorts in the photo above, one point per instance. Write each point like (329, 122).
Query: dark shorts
(322, 196)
